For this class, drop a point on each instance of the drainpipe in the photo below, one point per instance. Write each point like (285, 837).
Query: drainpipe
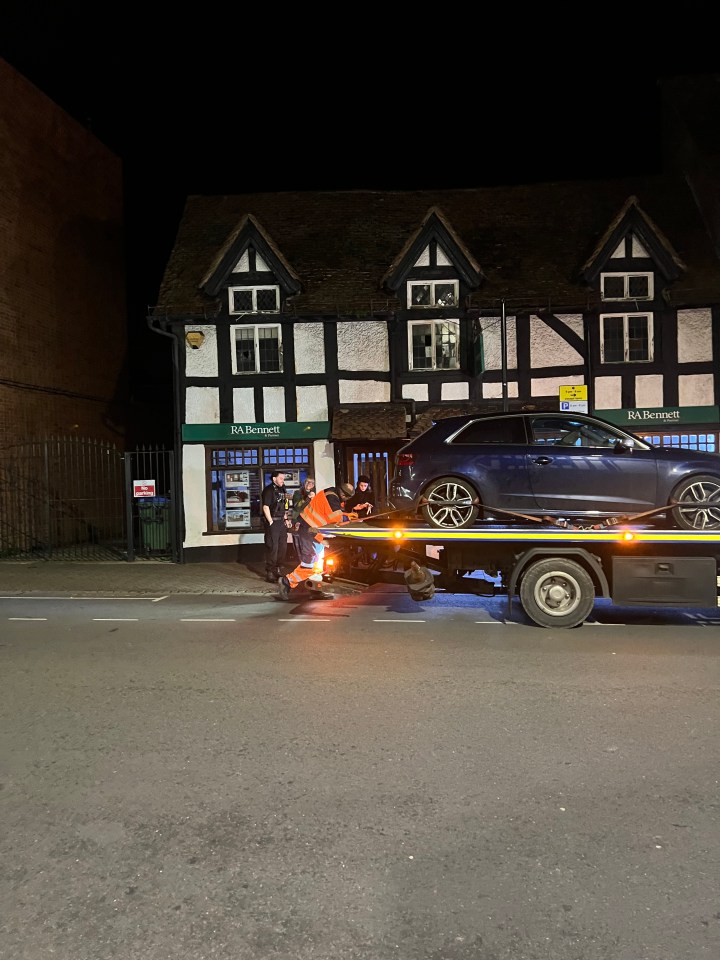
(503, 353)
(178, 506)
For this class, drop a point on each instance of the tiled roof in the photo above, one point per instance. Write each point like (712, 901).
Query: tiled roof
(530, 241)
(369, 421)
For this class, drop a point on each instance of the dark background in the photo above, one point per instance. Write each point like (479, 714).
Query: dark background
(191, 113)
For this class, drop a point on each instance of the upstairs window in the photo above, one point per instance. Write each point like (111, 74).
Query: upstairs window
(626, 286)
(434, 344)
(256, 349)
(626, 337)
(254, 299)
(434, 294)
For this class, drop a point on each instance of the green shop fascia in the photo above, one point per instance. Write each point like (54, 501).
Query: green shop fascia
(255, 432)
(645, 419)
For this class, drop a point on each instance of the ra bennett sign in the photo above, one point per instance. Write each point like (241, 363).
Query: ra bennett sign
(257, 432)
(639, 417)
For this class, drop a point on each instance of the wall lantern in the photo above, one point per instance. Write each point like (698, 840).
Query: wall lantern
(194, 339)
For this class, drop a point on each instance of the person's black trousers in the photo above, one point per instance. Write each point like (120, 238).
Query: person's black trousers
(275, 548)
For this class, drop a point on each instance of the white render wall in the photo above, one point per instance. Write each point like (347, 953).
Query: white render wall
(608, 392)
(312, 404)
(244, 405)
(548, 349)
(696, 390)
(455, 391)
(492, 342)
(202, 362)
(364, 391)
(694, 337)
(202, 405)
(415, 391)
(363, 345)
(274, 404)
(309, 348)
(648, 391)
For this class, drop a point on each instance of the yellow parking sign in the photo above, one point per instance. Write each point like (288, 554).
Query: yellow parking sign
(573, 398)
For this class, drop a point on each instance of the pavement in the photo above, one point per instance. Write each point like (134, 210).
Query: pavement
(109, 578)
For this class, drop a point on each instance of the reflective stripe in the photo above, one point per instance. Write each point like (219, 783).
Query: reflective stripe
(319, 513)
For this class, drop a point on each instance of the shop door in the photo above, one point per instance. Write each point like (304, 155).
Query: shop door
(377, 462)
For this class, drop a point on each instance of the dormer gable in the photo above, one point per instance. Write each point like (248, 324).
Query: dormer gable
(434, 252)
(249, 257)
(633, 243)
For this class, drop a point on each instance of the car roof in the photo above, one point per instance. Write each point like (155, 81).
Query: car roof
(460, 419)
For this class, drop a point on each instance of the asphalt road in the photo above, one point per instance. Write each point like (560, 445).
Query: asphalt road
(363, 779)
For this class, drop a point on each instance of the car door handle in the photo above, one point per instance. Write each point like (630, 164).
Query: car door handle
(543, 460)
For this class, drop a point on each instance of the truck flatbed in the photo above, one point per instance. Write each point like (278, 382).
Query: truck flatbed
(556, 572)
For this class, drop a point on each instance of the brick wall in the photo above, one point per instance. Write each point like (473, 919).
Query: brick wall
(63, 314)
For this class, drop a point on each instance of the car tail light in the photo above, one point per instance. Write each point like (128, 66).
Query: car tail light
(405, 460)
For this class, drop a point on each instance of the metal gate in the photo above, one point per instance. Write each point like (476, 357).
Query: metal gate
(70, 498)
(151, 520)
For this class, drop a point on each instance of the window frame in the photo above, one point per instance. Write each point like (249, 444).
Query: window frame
(432, 322)
(255, 327)
(627, 276)
(626, 317)
(433, 304)
(254, 289)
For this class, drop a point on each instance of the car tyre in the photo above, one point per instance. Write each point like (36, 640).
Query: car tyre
(450, 504)
(691, 493)
(557, 593)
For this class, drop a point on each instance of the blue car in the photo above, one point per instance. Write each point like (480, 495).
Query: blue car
(560, 465)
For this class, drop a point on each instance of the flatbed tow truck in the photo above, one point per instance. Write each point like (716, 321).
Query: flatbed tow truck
(556, 573)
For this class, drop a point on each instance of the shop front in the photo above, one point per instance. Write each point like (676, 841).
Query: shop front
(226, 466)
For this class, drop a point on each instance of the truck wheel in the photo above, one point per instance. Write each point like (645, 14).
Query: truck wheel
(694, 491)
(450, 504)
(557, 593)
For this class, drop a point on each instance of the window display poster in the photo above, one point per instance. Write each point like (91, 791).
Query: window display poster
(237, 499)
(292, 482)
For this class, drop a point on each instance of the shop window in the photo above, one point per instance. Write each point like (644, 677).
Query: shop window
(688, 441)
(236, 477)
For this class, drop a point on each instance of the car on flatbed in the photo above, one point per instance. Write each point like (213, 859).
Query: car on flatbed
(553, 464)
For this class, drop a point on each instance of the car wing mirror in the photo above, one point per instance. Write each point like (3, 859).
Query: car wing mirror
(624, 445)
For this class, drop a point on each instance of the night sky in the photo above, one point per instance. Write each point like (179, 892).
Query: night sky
(201, 115)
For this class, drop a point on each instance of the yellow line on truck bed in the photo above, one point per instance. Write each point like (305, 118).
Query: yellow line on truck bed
(523, 535)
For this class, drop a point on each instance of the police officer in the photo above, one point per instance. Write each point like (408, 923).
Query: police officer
(276, 520)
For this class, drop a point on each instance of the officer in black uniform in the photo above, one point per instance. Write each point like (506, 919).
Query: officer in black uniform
(277, 523)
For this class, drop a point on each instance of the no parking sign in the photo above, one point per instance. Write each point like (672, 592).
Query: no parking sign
(143, 488)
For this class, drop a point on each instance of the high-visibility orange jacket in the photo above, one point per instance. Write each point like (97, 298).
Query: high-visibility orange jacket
(324, 510)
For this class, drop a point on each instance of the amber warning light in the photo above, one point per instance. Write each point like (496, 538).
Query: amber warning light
(398, 534)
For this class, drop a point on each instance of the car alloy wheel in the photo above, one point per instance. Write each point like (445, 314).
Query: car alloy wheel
(700, 503)
(449, 503)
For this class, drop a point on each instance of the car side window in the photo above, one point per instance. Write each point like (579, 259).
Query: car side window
(493, 431)
(570, 433)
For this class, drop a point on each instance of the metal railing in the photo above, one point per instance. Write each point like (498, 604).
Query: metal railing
(70, 498)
